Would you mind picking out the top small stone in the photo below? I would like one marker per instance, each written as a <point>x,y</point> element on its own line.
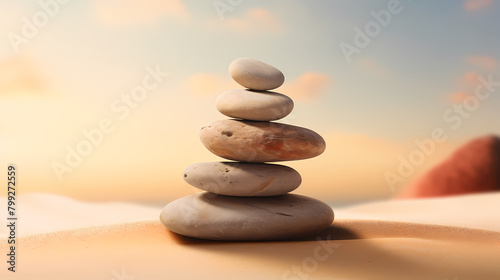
<point>256,75</point>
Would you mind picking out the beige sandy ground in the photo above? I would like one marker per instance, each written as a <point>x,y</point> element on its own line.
<point>448,238</point>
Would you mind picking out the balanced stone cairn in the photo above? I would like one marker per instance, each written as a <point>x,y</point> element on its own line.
<point>247,199</point>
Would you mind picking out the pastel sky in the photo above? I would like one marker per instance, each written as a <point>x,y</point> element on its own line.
<point>66,68</point>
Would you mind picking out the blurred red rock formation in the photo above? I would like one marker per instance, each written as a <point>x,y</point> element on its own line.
<point>473,168</point>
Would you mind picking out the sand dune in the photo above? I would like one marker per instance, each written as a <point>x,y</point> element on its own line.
<point>472,211</point>
<point>438,240</point>
<point>44,213</point>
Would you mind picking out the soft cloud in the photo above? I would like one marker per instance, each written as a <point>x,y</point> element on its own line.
<point>481,65</point>
<point>307,87</point>
<point>466,83</point>
<point>116,12</point>
<point>254,21</point>
<point>371,66</point>
<point>458,97</point>
<point>19,75</point>
<point>470,78</point>
<point>469,81</point>
<point>476,5</point>
<point>483,61</point>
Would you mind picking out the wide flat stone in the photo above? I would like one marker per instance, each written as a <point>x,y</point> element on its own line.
<point>255,74</point>
<point>254,105</point>
<point>242,179</point>
<point>217,217</point>
<point>252,141</point>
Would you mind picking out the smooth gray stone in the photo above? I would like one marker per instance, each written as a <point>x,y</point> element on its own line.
<point>254,105</point>
<point>254,74</point>
<point>242,179</point>
<point>217,217</point>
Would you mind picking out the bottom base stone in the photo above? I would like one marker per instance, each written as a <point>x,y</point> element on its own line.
<point>216,217</point>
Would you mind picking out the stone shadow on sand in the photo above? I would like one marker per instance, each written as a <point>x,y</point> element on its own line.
<point>353,252</point>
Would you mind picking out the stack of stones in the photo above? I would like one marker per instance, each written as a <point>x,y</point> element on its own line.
<point>247,199</point>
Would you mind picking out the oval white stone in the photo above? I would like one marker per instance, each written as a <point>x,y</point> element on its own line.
<point>242,179</point>
<point>254,105</point>
<point>217,217</point>
<point>254,74</point>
